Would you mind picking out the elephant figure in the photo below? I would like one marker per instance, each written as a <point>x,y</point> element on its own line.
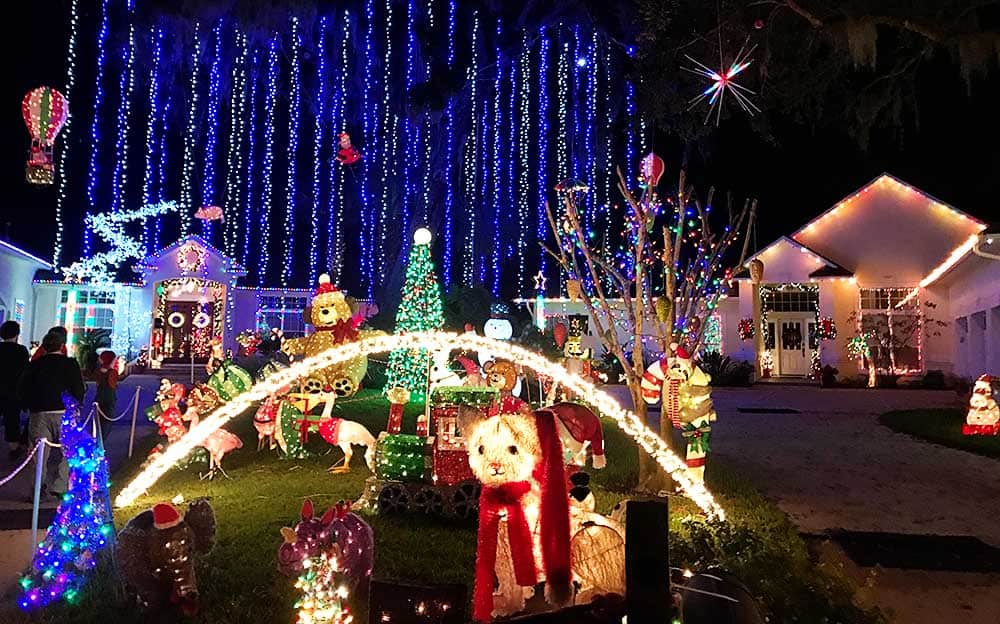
<point>155,554</point>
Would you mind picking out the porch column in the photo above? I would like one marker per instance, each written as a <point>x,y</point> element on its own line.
<point>756,277</point>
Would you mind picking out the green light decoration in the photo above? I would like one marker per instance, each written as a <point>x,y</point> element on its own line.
<point>470,396</point>
<point>400,457</point>
<point>290,420</point>
<point>419,310</point>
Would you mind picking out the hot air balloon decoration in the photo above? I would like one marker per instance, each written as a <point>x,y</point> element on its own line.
<point>45,110</point>
<point>651,169</point>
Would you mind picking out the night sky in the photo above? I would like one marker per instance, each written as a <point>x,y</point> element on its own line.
<point>949,152</point>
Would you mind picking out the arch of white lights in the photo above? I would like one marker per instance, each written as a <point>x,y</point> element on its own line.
<point>604,402</point>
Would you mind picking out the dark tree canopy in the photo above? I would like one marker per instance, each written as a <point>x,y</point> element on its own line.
<point>851,64</point>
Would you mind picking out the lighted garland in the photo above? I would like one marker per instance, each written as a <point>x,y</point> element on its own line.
<point>606,404</point>
<point>82,524</point>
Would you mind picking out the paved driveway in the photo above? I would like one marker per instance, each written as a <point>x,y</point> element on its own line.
<point>834,466</point>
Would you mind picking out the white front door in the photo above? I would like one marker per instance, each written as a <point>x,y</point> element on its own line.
<point>792,343</point>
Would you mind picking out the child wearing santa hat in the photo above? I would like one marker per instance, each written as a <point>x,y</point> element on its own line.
<point>107,389</point>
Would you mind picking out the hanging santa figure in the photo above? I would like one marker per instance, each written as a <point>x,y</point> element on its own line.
<point>983,417</point>
<point>687,402</point>
<point>347,154</point>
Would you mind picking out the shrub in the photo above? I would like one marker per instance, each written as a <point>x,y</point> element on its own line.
<point>726,371</point>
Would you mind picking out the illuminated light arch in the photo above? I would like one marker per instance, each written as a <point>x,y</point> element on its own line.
<point>604,402</point>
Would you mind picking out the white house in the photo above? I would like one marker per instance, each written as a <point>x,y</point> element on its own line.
<point>889,263</point>
<point>185,295</point>
<point>17,269</point>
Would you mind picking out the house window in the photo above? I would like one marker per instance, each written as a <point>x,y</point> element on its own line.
<point>794,300</point>
<point>894,323</point>
<point>284,313</point>
<point>87,316</point>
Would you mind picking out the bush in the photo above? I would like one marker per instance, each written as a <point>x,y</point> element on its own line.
<point>726,371</point>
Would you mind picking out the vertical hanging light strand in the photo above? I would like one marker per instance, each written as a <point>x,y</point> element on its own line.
<point>126,86</point>
<point>161,171</point>
<point>152,145</point>
<point>472,160</point>
<point>630,138</point>
<point>562,75</point>
<point>409,130</point>
<point>95,122</point>
<point>510,184</point>
<point>425,133</point>
<point>449,125</point>
<point>212,130</point>
<point>250,179</point>
<point>523,171</point>
<point>340,117</point>
<point>497,167</point>
<point>590,126</point>
<point>390,147</point>
<point>484,170</point>
<point>74,21</point>
<point>190,132</point>
<point>234,157</point>
<point>265,209</point>
<point>294,110</point>
<point>609,155</point>
<point>366,240</point>
<point>543,142</point>
<point>317,189</point>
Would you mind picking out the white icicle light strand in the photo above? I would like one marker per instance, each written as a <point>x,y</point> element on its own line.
<point>434,341</point>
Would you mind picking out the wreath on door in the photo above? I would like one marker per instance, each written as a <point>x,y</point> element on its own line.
<point>791,337</point>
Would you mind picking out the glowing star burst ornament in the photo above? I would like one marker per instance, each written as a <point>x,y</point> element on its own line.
<point>723,81</point>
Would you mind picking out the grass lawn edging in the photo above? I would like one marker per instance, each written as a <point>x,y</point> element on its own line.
<point>941,426</point>
<point>239,581</point>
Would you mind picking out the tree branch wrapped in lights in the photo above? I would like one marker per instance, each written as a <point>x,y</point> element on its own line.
<point>646,438</point>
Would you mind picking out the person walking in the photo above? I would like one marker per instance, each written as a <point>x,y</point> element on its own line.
<point>40,390</point>
<point>13,360</point>
<point>107,389</point>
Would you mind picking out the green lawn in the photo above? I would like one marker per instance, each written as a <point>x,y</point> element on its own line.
<point>240,583</point>
<point>941,426</point>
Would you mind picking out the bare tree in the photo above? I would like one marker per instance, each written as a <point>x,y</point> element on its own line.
<point>676,253</point>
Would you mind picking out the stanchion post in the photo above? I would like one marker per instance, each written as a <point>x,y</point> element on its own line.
<point>96,427</point>
<point>39,463</point>
<point>135,414</point>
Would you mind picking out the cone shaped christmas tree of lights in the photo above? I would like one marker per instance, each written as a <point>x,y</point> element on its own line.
<point>419,310</point>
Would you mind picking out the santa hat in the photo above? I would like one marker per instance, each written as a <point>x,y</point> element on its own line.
<point>681,353</point>
<point>165,516</point>
<point>324,286</point>
<point>553,513</point>
<point>106,358</point>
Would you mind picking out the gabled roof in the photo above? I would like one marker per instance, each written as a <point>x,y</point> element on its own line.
<point>882,178</point>
<point>148,263</point>
<point>17,251</point>
<point>829,268</point>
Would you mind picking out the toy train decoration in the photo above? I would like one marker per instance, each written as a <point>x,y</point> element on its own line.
<point>428,472</point>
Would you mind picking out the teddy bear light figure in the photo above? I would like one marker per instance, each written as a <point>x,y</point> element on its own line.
<point>335,322</point>
<point>524,523</point>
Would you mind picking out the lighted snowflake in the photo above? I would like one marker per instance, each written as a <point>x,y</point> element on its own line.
<point>722,81</point>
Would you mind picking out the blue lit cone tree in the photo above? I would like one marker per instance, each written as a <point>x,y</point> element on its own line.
<point>420,310</point>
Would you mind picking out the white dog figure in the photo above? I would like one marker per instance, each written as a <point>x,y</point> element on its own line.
<point>524,524</point>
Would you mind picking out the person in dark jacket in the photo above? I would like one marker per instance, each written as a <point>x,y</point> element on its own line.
<point>13,360</point>
<point>40,390</point>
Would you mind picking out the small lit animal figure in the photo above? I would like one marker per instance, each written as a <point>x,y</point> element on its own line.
<point>265,420</point>
<point>203,400</point>
<point>344,434</point>
<point>210,213</point>
<point>338,528</point>
<point>441,373</point>
<point>524,519</point>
